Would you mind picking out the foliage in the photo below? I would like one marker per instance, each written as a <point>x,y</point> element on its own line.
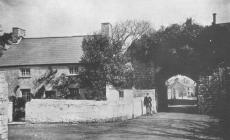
<point>42,81</point>
<point>59,83</point>
<point>212,48</point>
<point>185,48</point>
<point>104,63</point>
<point>176,48</point>
<point>213,93</point>
<point>127,31</point>
<point>62,84</point>
<point>5,40</point>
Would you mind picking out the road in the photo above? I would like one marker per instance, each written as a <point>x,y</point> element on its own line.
<point>161,126</point>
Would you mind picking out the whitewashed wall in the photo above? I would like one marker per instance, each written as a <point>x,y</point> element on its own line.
<point>115,108</point>
<point>10,111</point>
<point>76,111</point>
<point>3,107</point>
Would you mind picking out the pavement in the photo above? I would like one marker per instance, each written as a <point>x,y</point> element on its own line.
<point>160,126</point>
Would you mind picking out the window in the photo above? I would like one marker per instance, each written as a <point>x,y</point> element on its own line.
<point>50,94</point>
<point>25,72</point>
<point>73,70</point>
<point>74,93</point>
<point>121,93</point>
<point>26,94</point>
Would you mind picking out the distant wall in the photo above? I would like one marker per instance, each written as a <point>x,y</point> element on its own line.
<point>115,108</point>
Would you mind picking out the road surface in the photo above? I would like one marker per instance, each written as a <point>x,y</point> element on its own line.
<point>161,126</point>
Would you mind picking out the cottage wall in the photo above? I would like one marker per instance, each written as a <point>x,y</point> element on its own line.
<point>14,78</point>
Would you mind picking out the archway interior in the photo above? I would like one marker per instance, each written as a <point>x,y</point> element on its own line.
<point>181,90</point>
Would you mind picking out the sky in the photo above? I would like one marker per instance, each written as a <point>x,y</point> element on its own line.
<point>41,18</point>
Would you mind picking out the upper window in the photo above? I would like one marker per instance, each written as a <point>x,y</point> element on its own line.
<point>25,72</point>
<point>73,70</point>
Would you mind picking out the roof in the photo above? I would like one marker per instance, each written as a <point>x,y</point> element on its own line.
<point>40,51</point>
<point>226,25</point>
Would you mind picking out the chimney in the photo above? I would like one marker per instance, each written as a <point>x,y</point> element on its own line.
<point>17,34</point>
<point>214,18</point>
<point>106,29</point>
<point>1,31</point>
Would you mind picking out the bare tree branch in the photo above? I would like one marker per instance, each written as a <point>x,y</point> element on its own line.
<point>129,30</point>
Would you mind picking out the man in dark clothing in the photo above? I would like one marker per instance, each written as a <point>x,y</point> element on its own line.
<point>148,104</point>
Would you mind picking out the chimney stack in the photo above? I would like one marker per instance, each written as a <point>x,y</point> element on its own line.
<point>17,34</point>
<point>214,18</point>
<point>106,29</point>
<point>1,31</point>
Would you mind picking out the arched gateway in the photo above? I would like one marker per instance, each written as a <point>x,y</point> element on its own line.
<point>161,88</point>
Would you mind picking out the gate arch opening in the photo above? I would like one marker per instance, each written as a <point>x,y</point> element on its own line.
<point>181,87</point>
<point>162,89</point>
<point>181,94</point>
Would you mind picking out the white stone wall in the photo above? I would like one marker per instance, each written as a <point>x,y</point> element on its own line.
<point>115,108</point>
<point>3,108</point>
<point>49,110</point>
<point>10,111</point>
<point>3,120</point>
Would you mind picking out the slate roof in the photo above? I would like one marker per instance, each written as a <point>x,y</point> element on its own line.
<point>40,51</point>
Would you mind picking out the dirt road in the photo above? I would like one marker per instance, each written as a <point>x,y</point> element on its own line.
<point>161,126</point>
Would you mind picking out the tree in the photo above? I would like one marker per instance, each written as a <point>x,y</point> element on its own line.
<point>5,40</point>
<point>127,31</point>
<point>213,47</point>
<point>171,48</point>
<point>105,59</point>
<point>104,63</point>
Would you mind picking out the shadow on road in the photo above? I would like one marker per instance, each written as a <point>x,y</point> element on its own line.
<point>161,126</point>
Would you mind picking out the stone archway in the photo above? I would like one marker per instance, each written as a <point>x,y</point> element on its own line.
<point>161,88</point>
<point>182,96</point>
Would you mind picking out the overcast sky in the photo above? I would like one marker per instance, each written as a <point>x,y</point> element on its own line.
<point>76,17</point>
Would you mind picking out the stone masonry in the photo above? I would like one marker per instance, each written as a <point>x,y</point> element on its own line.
<point>3,108</point>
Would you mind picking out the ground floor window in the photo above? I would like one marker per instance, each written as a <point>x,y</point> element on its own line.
<point>26,94</point>
<point>50,94</point>
<point>74,93</point>
<point>121,93</point>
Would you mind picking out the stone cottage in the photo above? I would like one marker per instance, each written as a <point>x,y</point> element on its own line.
<point>28,59</point>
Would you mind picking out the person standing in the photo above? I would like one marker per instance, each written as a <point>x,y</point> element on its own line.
<point>148,104</point>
